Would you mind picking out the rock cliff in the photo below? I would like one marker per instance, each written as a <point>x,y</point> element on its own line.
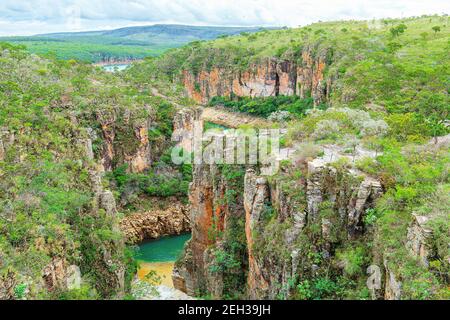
<point>138,227</point>
<point>285,222</point>
<point>216,211</point>
<point>125,139</point>
<point>305,76</point>
<point>329,200</point>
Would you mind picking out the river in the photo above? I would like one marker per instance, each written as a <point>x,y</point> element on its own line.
<point>160,256</point>
<point>115,67</point>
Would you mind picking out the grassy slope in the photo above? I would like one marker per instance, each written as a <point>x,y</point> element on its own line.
<point>372,66</point>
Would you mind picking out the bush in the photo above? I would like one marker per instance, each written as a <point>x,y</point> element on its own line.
<point>265,107</point>
<point>158,185</point>
<point>354,260</point>
<point>406,126</point>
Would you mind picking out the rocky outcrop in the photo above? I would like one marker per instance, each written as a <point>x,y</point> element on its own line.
<point>7,139</point>
<point>2,150</point>
<point>183,127</point>
<point>229,119</point>
<point>368,191</point>
<point>345,194</point>
<point>58,275</point>
<point>393,287</point>
<point>201,196</point>
<point>125,140</point>
<point>108,203</point>
<point>418,239</point>
<point>346,198</point>
<point>270,77</point>
<point>256,195</point>
<point>103,199</point>
<point>352,200</point>
<point>107,263</point>
<point>8,283</point>
<point>156,224</point>
<point>142,290</point>
<point>210,218</point>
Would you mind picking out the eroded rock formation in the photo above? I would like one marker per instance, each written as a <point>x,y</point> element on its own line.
<point>183,127</point>
<point>58,274</point>
<point>418,238</point>
<point>124,141</point>
<point>156,224</point>
<point>190,272</point>
<point>270,77</point>
<point>334,200</point>
<point>256,195</point>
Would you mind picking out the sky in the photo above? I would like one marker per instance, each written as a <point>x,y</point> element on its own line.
<point>27,17</point>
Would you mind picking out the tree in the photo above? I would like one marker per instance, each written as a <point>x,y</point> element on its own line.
<point>436,29</point>
<point>398,30</point>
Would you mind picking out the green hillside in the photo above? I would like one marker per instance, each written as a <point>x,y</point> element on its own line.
<point>400,65</point>
<point>121,44</point>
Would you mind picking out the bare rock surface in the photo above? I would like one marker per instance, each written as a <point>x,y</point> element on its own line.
<point>155,224</point>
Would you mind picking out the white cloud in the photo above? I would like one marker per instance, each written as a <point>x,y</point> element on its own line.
<point>42,16</point>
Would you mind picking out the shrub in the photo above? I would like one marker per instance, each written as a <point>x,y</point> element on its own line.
<point>354,260</point>
<point>403,126</point>
<point>398,30</point>
<point>265,107</point>
<point>280,116</point>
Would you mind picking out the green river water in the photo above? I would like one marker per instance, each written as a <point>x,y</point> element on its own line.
<point>166,249</point>
<point>159,256</point>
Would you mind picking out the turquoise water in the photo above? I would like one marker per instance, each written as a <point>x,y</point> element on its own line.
<point>210,125</point>
<point>115,67</point>
<point>166,249</point>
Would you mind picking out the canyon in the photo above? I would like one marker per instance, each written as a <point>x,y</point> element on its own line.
<point>305,77</point>
<point>326,208</point>
<point>358,209</point>
<point>347,193</point>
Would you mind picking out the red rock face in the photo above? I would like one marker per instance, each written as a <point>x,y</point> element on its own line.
<point>271,77</point>
<point>256,192</point>
<point>207,217</point>
<point>138,158</point>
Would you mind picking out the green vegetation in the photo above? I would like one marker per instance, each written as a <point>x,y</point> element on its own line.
<point>130,186</point>
<point>230,253</point>
<point>93,50</point>
<point>390,97</point>
<point>388,107</point>
<point>414,174</point>
<point>372,70</point>
<point>48,210</point>
<point>120,45</point>
<point>265,107</point>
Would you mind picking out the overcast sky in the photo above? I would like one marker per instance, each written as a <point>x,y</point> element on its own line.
<point>26,17</point>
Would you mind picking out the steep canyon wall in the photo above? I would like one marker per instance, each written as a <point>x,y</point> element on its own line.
<point>304,76</point>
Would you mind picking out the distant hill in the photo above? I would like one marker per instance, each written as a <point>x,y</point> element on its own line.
<point>122,44</point>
